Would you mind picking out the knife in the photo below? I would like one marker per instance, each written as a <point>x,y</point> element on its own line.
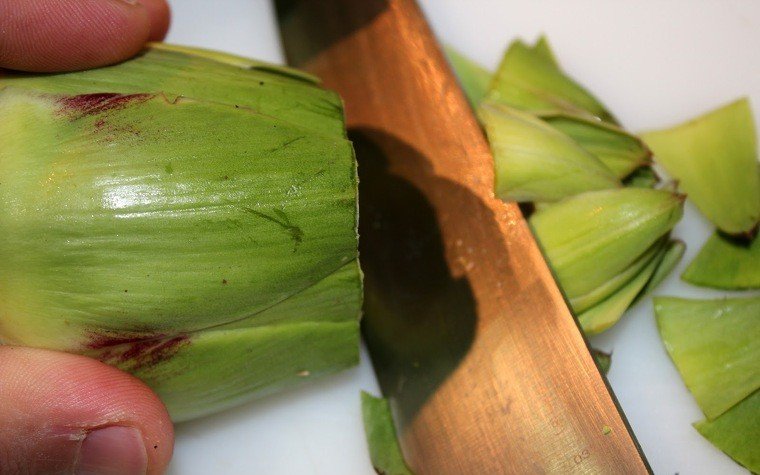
<point>472,341</point>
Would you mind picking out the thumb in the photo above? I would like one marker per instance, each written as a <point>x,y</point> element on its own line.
<point>63,413</point>
<point>64,35</point>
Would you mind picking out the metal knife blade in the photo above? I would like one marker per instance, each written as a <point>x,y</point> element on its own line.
<point>486,370</point>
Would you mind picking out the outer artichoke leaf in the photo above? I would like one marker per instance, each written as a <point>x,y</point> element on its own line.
<point>715,344</point>
<point>189,75</point>
<point>335,298</point>
<point>238,61</point>
<point>308,334</point>
<point>217,369</point>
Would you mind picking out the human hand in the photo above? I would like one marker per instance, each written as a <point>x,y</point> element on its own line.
<point>62,413</point>
<point>66,35</point>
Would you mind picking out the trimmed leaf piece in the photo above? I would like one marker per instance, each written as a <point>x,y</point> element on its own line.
<point>737,432</point>
<point>619,150</point>
<point>608,312</point>
<point>714,158</point>
<point>530,79</point>
<point>726,263</point>
<point>643,177</point>
<point>590,238</point>
<point>473,77</point>
<point>536,162</point>
<point>173,73</point>
<point>715,344</point>
<point>603,360</point>
<point>384,450</point>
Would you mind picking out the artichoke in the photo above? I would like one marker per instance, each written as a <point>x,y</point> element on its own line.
<point>187,216</point>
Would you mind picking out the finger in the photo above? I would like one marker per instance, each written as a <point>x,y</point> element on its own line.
<point>159,15</point>
<point>63,413</point>
<point>63,35</point>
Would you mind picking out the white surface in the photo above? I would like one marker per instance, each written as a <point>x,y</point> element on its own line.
<point>653,63</point>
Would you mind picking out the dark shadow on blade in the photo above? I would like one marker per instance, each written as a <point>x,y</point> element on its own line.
<point>419,320</point>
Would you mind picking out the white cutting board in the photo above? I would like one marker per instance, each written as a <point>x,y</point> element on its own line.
<point>653,63</point>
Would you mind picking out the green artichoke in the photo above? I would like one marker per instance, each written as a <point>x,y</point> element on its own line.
<point>187,216</point>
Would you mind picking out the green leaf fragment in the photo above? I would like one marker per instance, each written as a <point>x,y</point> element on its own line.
<point>715,344</point>
<point>473,78</point>
<point>737,432</point>
<point>606,313</point>
<point>384,449</point>
<point>530,79</point>
<point>714,157</point>
<point>642,177</point>
<point>590,238</point>
<point>619,150</point>
<point>536,162</point>
<point>726,263</point>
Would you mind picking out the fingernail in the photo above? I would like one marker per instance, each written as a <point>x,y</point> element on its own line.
<point>112,451</point>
